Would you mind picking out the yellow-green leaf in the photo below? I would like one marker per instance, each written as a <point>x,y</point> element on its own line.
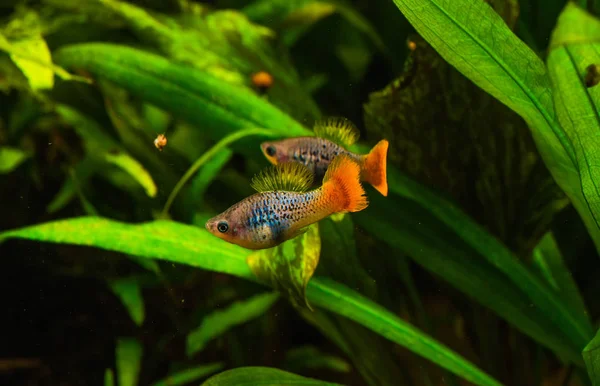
<point>220,322</point>
<point>261,376</point>
<point>289,266</point>
<point>575,45</point>
<point>11,158</point>
<point>128,356</point>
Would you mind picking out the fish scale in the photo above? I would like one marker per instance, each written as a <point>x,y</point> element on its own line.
<point>317,153</point>
<point>271,214</point>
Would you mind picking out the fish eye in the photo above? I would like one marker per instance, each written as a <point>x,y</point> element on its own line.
<point>271,151</point>
<point>223,226</point>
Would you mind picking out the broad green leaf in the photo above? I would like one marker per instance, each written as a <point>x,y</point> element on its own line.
<point>548,258</point>
<point>573,47</point>
<point>186,376</point>
<point>310,357</point>
<point>22,39</point>
<point>193,95</point>
<point>219,322</point>
<point>11,158</point>
<point>591,355</point>
<point>289,266</point>
<point>128,356</point>
<point>284,14</point>
<point>408,227</point>
<point>129,291</point>
<point>104,149</point>
<point>225,44</point>
<point>260,376</point>
<point>109,378</point>
<point>482,47</point>
<point>183,244</point>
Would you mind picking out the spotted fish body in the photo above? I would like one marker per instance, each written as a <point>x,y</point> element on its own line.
<point>265,219</point>
<point>317,153</point>
<point>313,152</point>
<point>269,218</point>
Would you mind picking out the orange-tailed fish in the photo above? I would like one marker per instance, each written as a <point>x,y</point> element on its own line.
<point>332,137</point>
<point>284,206</point>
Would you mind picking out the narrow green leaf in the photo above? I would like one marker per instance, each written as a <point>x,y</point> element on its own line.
<point>190,375</point>
<point>22,39</point>
<point>482,47</point>
<point>195,96</point>
<point>11,158</point>
<point>225,44</point>
<point>209,172</point>
<point>289,266</point>
<point>575,46</point>
<point>103,148</point>
<point>129,291</point>
<point>109,378</point>
<point>260,376</point>
<point>219,322</point>
<point>128,356</point>
<point>189,245</point>
<point>435,247</point>
<point>310,357</point>
<point>550,261</point>
<point>591,355</point>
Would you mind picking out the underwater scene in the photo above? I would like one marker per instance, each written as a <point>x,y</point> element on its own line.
<point>300,192</point>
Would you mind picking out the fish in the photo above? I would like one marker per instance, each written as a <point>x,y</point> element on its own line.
<point>284,206</point>
<point>333,135</point>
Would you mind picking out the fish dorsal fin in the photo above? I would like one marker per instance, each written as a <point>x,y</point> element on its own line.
<point>337,129</point>
<point>287,176</point>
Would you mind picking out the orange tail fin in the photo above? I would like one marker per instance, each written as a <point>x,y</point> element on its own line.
<point>374,167</point>
<point>341,186</point>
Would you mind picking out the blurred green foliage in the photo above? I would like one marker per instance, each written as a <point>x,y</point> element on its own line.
<point>480,267</point>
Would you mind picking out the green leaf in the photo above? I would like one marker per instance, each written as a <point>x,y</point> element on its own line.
<point>190,94</point>
<point>11,158</point>
<point>550,262</point>
<point>482,47</point>
<point>22,39</point>
<point>289,266</point>
<point>178,243</point>
<point>209,172</point>
<point>225,44</point>
<point>128,356</point>
<point>435,246</point>
<point>109,378</point>
<point>591,355</point>
<point>129,291</point>
<point>186,376</point>
<point>219,322</point>
<point>102,148</point>
<point>573,47</point>
<point>261,376</point>
<point>495,175</point>
<point>310,357</point>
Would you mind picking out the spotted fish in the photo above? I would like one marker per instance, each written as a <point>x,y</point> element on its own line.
<point>333,136</point>
<point>284,206</point>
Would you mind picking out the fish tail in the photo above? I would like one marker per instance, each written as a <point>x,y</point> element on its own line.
<point>374,167</point>
<point>341,186</point>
